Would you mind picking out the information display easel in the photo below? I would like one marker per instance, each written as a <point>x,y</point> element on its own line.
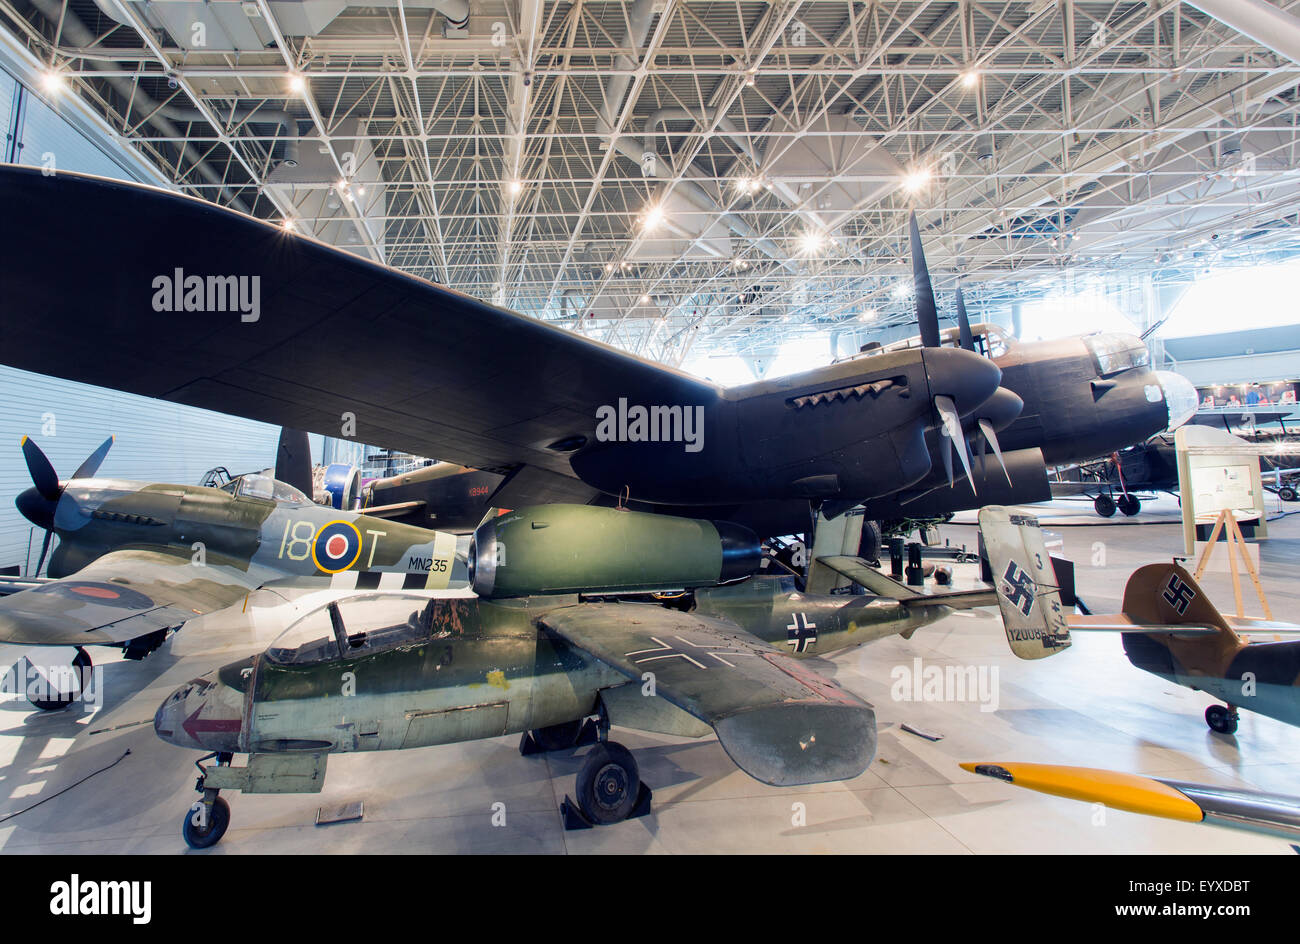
<point>1226,524</point>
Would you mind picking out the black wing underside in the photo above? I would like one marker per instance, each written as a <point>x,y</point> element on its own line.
<point>421,368</point>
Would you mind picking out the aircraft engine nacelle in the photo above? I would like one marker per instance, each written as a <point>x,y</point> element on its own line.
<point>339,486</point>
<point>581,548</point>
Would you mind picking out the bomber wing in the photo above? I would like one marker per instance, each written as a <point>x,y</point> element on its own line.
<point>417,366</point>
<point>780,722</point>
<point>120,596</point>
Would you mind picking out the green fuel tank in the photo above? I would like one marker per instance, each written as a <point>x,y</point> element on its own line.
<point>580,548</point>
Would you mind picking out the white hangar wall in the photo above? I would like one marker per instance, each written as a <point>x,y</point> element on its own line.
<point>156,441</point>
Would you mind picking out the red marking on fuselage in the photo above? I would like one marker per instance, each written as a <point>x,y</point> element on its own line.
<point>194,727</point>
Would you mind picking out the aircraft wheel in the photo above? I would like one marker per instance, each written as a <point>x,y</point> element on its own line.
<point>557,737</point>
<point>1129,505</point>
<point>608,784</point>
<point>1104,505</point>
<point>205,837</point>
<point>81,668</point>
<point>1286,493</point>
<point>1221,719</point>
<point>869,545</point>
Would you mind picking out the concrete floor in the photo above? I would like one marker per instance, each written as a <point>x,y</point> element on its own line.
<point>1086,707</point>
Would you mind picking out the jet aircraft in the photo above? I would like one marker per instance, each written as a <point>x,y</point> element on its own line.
<point>571,618</point>
<point>136,559</point>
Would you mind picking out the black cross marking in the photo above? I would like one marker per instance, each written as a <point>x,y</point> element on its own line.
<point>801,634</point>
<point>1018,588</point>
<point>1178,594</point>
<point>669,651</point>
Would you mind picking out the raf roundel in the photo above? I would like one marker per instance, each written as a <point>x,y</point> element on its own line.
<point>336,546</point>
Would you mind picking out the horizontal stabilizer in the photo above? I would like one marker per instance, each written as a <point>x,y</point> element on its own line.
<point>1122,624</point>
<point>882,585</point>
<point>866,576</point>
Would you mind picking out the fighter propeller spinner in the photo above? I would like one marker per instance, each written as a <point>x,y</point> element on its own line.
<point>40,503</point>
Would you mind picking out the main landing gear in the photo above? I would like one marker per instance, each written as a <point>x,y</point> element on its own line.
<point>1129,505</point>
<point>609,786</point>
<point>207,820</point>
<point>1222,718</point>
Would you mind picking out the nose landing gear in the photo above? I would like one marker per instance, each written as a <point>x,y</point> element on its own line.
<point>207,820</point>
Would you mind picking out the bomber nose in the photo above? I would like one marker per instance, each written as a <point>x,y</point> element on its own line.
<point>963,375</point>
<point>1181,401</point>
<point>36,508</point>
<point>202,713</point>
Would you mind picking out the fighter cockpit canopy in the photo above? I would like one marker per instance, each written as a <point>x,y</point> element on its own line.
<point>256,485</point>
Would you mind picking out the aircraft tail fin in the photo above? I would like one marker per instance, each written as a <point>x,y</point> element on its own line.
<point>1166,594</point>
<point>1028,595</point>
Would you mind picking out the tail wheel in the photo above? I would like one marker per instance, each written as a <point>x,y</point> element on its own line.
<point>608,784</point>
<point>1221,719</point>
<point>82,666</point>
<point>209,829</point>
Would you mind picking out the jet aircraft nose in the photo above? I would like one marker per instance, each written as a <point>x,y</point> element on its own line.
<point>1181,400</point>
<point>968,378</point>
<point>203,713</point>
<point>36,508</point>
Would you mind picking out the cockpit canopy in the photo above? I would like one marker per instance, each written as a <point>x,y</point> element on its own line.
<point>257,485</point>
<point>367,623</point>
<point>1115,352</point>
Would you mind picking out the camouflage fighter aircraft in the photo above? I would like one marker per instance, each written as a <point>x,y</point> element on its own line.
<point>137,559</point>
<point>644,621</point>
<point>1172,630</point>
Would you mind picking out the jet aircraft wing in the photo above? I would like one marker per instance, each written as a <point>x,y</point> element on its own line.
<point>120,596</point>
<point>333,339</point>
<point>781,723</point>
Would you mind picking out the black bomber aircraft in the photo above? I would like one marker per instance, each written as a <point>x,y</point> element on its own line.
<point>196,304</point>
<point>201,305</point>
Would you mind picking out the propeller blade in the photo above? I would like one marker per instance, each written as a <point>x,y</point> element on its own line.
<point>45,548</point>
<point>963,324</point>
<point>991,438</point>
<point>293,459</point>
<point>93,461</point>
<point>927,316</point>
<point>953,433</point>
<point>42,472</point>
